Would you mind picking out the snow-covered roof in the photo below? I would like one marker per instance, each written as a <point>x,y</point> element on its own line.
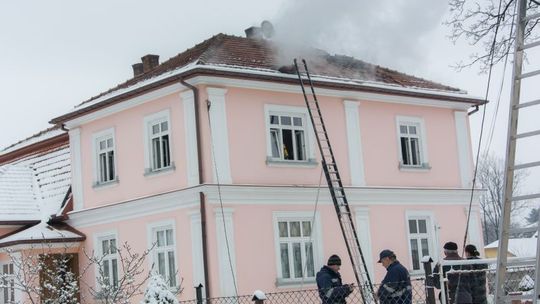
<point>43,232</point>
<point>522,247</point>
<point>41,136</point>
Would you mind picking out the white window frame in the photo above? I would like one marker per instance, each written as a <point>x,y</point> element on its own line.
<point>96,138</point>
<point>98,238</point>
<point>309,135</point>
<point>152,230</point>
<point>316,240</point>
<point>11,299</point>
<point>419,123</point>
<point>149,121</point>
<point>430,234</point>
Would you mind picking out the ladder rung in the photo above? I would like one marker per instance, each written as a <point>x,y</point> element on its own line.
<point>527,104</point>
<point>528,134</point>
<point>525,197</point>
<point>531,45</point>
<point>531,17</point>
<point>530,74</point>
<point>527,165</point>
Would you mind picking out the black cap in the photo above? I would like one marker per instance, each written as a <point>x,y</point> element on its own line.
<point>334,260</point>
<point>386,254</point>
<point>450,246</point>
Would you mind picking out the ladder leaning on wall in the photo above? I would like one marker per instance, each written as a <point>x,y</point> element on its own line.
<point>337,191</point>
<point>510,167</point>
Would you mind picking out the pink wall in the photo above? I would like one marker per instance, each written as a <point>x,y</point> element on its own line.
<point>130,165</point>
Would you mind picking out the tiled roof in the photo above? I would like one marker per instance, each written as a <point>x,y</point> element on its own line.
<point>260,54</point>
<point>43,232</point>
<point>40,136</point>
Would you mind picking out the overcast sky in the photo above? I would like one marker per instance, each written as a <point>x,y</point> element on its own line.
<point>56,54</point>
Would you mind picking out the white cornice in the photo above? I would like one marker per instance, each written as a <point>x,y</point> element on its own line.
<point>288,88</point>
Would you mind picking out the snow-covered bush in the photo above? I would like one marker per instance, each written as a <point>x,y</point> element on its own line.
<point>157,292</point>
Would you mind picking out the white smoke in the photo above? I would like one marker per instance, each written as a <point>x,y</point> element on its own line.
<point>390,33</point>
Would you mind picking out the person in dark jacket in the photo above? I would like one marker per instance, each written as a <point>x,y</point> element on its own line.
<point>396,286</point>
<point>331,289</point>
<point>458,288</point>
<point>478,277</point>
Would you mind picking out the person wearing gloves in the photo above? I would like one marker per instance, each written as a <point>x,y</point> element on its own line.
<point>331,289</point>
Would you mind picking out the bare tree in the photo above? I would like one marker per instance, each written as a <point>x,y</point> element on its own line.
<point>488,24</point>
<point>490,177</point>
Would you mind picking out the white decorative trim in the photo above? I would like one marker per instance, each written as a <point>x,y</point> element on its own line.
<point>124,105</point>
<point>474,235</point>
<point>220,134</point>
<point>226,246</point>
<point>76,168</point>
<point>355,95</point>
<point>197,249</point>
<point>464,148</point>
<point>424,157</point>
<point>150,229</point>
<point>134,209</point>
<point>310,134</point>
<point>431,227</point>
<point>95,137</point>
<point>164,115</point>
<point>354,140</point>
<point>363,231</point>
<point>190,130</point>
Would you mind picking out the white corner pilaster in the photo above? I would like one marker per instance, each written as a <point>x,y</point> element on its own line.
<point>190,129</point>
<point>474,235</point>
<point>464,148</point>
<point>76,168</point>
<point>354,142</point>
<point>220,134</point>
<point>363,232</point>
<point>226,251</point>
<point>197,249</point>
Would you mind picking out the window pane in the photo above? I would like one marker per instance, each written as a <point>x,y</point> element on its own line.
<point>274,120</point>
<point>297,259</point>
<point>114,272</point>
<point>164,126</point>
<point>105,247</point>
<point>102,145</point>
<point>274,138</point>
<point>412,226</point>
<point>112,245</point>
<point>422,226</point>
<point>306,228</point>
<point>169,236</point>
<point>102,167</point>
<point>156,149</point>
<point>160,238</point>
<point>403,129</point>
<point>285,120</point>
<point>415,151</point>
<point>109,143</point>
<point>405,151</point>
<point>425,247</point>
<point>414,254</point>
<point>155,129</point>
<point>412,130</point>
<point>106,271</point>
<point>172,269</point>
<point>295,229</point>
<point>310,267</point>
<point>284,252</point>
<point>300,145</point>
<point>166,152</point>
<point>287,144</point>
<point>283,229</point>
<point>297,121</point>
<point>111,165</point>
<point>161,264</point>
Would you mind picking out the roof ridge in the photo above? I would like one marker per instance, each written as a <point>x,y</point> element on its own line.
<point>35,135</point>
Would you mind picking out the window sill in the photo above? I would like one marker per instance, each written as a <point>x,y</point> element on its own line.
<point>287,283</point>
<point>150,172</point>
<point>104,185</point>
<point>408,168</point>
<point>272,162</point>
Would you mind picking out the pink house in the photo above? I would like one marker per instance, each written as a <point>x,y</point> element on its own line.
<point>210,157</point>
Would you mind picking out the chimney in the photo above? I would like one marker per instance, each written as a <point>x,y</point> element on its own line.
<point>137,69</point>
<point>149,62</point>
<point>254,32</point>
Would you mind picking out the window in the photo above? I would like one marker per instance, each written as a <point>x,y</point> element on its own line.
<point>109,254</point>
<point>158,142</point>
<point>105,157</point>
<point>296,249</point>
<point>164,253</point>
<point>288,136</point>
<point>419,239</point>
<point>8,291</point>
<point>412,150</point>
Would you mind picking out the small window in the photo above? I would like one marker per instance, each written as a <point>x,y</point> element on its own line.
<point>419,240</point>
<point>109,254</point>
<point>164,253</point>
<point>296,252</point>
<point>8,284</point>
<point>158,137</point>
<point>288,137</point>
<point>105,159</point>
<point>410,141</point>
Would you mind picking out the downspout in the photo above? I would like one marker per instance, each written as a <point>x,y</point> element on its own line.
<point>202,198</point>
<point>476,109</point>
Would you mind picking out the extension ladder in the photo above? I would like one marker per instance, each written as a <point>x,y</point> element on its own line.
<point>337,191</point>
<point>511,166</point>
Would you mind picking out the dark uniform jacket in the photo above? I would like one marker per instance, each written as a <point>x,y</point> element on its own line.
<point>458,289</point>
<point>478,282</point>
<point>396,286</point>
<point>331,289</point>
